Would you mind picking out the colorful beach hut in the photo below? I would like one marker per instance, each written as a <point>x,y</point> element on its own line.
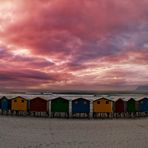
<point>131,105</point>
<point>143,105</point>
<point>38,105</point>
<point>59,105</point>
<point>119,106</point>
<point>80,105</point>
<point>4,104</point>
<point>19,104</point>
<point>102,107</point>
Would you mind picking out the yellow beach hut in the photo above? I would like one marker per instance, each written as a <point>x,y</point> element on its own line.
<point>19,104</point>
<point>102,105</point>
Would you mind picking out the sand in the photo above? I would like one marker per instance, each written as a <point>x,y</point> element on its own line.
<point>28,132</point>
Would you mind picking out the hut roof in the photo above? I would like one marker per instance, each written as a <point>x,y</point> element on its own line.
<point>115,100</point>
<point>4,97</point>
<point>72,97</point>
<point>19,97</point>
<point>59,98</point>
<point>111,97</point>
<point>39,98</point>
<point>141,98</point>
<point>81,98</point>
<point>104,99</point>
<point>29,97</point>
<point>130,98</point>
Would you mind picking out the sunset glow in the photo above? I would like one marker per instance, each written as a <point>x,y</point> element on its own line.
<point>21,52</point>
<point>73,44</point>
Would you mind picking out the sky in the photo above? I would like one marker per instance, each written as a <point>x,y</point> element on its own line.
<point>73,44</point>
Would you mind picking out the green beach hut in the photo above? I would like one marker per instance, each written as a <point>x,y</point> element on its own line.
<point>131,105</point>
<point>59,106</point>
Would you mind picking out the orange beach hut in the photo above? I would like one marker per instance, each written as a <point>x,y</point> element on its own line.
<point>19,104</point>
<point>102,105</point>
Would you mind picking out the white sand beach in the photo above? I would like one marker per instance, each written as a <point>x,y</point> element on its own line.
<point>27,132</point>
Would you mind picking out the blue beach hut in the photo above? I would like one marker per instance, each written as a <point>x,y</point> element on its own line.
<point>4,104</point>
<point>80,105</point>
<point>143,105</point>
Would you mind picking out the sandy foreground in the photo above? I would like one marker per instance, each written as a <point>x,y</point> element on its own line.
<point>27,132</point>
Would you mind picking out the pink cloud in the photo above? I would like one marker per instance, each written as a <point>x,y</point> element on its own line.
<point>66,38</point>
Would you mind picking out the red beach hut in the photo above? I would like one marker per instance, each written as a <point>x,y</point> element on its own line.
<point>38,105</point>
<point>119,106</point>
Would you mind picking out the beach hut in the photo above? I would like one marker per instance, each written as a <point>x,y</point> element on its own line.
<point>19,104</point>
<point>4,104</point>
<point>131,105</point>
<point>81,105</point>
<point>102,105</point>
<point>59,105</point>
<point>143,105</point>
<point>119,106</point>
<point>38,105</point>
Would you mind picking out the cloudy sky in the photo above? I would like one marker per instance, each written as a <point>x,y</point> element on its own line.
<point>73,44</point>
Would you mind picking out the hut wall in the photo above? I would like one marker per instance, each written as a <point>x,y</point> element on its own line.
<point>38,105</point>
<point>102,105</point>
<point>4,104</point>
<point>19,104</point>
<point>80,106</point>
<point>143,105</point>
<point>119,106</point>
<point>59,105</point>
<point>131,105</point>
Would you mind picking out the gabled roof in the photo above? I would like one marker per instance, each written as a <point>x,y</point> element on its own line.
<point>19,97</point>
<point>81,99</point>
<point>28,96</point>
<point>4,97</point>
<point>128,99</point>
<point>122,99</point>
<point>59,98</point>
<point>38,98</point>
<point>142,98</point>
<point>71,97</point>
<point>102,99</point>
